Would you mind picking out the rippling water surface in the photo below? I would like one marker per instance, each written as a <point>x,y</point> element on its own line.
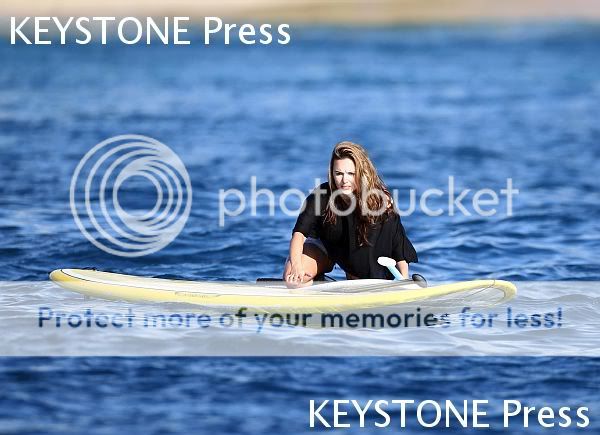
<point>481,104</point>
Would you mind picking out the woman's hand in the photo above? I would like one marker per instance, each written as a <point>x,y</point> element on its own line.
<point>294,269</point>
<point>402,266</point>
<point>295,274</point>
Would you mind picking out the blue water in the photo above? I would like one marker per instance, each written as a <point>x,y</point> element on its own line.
<point>479,103</point>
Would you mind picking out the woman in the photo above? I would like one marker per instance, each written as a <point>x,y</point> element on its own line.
<point>351,221</point>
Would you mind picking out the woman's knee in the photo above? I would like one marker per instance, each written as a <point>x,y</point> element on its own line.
<point>318,260</point>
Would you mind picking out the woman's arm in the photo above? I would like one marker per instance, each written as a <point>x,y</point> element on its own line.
<point>296,271</point>
<point>402,248</point>
<point>296,247</point>
<point>306,225</point>
<point>402,266</point>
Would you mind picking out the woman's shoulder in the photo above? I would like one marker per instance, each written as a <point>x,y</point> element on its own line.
<point>317,200</point>
<point>323,190</point>
<point>324,187</point>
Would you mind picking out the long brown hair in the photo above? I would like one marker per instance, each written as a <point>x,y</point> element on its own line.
<point>371,209</point>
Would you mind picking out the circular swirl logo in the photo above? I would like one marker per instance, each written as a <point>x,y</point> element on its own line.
<point>111,166</point>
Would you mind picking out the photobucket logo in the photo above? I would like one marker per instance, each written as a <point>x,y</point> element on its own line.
<point>94,195</point>
<point>431,202</point>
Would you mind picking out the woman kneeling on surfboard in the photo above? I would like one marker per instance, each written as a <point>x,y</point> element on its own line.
<point>351,221</point>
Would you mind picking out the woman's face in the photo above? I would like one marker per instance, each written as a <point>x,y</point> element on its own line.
<point>344,173</point>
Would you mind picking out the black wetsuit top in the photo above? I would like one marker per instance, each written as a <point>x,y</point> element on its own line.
<point>341,239</point>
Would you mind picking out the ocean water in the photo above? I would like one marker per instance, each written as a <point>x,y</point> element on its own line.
<point>481,104</point>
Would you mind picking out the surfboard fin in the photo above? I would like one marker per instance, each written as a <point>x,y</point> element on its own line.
<point>419,280</point>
